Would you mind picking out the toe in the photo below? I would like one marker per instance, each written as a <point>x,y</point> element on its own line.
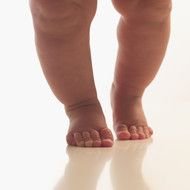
<point>133,131</point>
<point>106,137</point>
<point>146,132</point>
<point>122,132</point>
<point>70,139</point>
<point>79,139</point>
<point>140,131</point>
<point>150,130</point>
<point>87,139</point>
<point>95,137</point>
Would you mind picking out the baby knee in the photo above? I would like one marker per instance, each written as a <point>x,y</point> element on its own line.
<point>61,15</point>
<point>144,9</point>
<point>156,11</point>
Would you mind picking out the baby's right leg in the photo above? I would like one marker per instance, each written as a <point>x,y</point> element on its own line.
<point>62,42</point>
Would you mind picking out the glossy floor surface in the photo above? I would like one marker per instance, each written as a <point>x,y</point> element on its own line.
<point>159,163</point>
<point>33,126</point>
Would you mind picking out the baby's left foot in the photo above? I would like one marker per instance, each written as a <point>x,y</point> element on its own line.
<point>129,121</point>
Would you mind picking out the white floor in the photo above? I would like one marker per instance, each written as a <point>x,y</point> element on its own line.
<point>33,151</point>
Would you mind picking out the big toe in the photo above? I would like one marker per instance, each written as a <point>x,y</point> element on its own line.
<point>122,132</point>
<point>106,137</point>
<point>79,139</point>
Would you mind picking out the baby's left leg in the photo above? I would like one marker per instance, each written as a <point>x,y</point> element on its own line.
<point>143,33</point>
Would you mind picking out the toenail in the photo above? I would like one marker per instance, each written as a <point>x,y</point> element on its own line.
<point>86,136</point>
<point>133,129</point>
<point>140,129</point>
<point>89,143</point>
<point>150,130</point>
<point>142,136</point>
<point>146,132</point>
<point>123,135</point>
<point>97,143</point>
<point>79,139</point>
<point>95,136</point>
<point>141,132</point>
<point>107,143</point>
<point>106,133</point>
<point>87,139</point>
<point>134,136</point>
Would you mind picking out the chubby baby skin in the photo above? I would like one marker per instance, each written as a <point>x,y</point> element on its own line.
<point>62,33</point>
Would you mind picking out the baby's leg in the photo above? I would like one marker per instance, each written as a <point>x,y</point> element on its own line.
<point>62,42</point>
<point>143,33</point>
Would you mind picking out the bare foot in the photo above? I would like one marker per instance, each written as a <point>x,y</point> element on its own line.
<point>88,126</point>
<point>128,116</point>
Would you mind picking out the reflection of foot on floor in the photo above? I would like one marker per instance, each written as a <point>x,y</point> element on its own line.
<point>84,168</point>
<point>126,165</point>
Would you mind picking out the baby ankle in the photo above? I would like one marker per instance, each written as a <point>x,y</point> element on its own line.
<point>83,107</point>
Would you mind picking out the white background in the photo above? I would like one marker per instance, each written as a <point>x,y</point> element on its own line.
<point>32,121</point>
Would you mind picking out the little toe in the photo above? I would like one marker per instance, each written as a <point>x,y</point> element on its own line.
<point>96,138</point>
<point>70,139</point>
<point>107,137</point>
<point>133,131</point>
<point>87,139</point>
<point>150,130</point>
<point>141,132</point>
<point>122,132</point>
<point>146,132</point>
<point>79,139</point>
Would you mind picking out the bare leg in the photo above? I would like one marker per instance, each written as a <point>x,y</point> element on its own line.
<point>143,33</point>
<point>62,42</point>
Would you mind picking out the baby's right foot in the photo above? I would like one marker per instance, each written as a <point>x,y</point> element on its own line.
<point>87,125</point>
